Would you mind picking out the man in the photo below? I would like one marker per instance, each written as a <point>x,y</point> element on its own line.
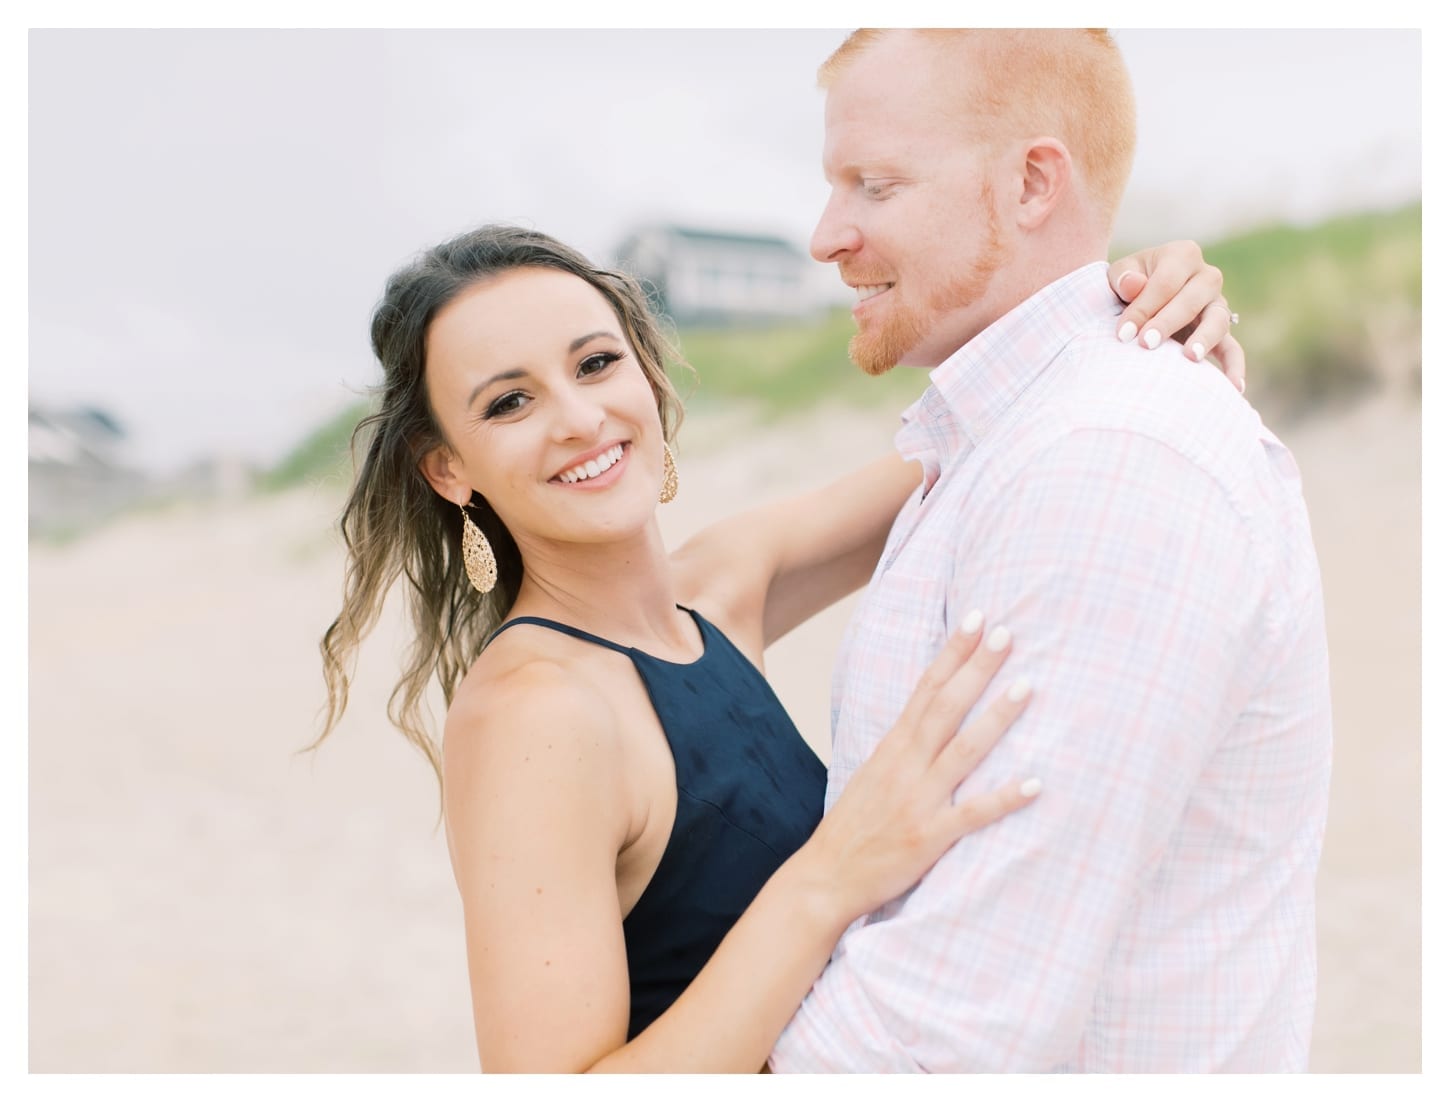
<point>1144,539</point>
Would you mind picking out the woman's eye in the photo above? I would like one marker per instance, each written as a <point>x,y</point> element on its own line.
<point>511,402</point>
<point>593,365</point>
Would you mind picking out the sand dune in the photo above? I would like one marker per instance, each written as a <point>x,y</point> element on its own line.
<point>203,899</point>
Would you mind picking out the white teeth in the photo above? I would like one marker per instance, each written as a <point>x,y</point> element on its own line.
<point>863,293</point>
<point>594,467</point>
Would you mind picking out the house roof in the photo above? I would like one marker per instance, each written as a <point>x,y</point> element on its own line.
<point>87,421</point>
<point>723,237</point>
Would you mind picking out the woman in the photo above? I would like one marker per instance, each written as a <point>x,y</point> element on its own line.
<point>634,824</point>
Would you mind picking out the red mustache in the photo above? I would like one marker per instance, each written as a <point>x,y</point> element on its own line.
<point>861,279</point>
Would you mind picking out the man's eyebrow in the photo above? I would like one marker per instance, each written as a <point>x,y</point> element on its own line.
<point>519,373</point>
<point>861,168</point>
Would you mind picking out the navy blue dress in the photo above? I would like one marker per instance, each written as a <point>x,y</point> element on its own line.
<point>750,792</point>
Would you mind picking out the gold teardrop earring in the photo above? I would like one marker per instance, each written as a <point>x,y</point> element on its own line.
<point>672,479</point>
<point>478,560</point>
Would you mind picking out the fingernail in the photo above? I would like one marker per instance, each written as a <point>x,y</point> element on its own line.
<point>1198,350</point>
<point>1152,338</point>
<point>973,622</point>
<point>1128,331</point>
<point>1118,286</point>
<point>999,639</point>
<point>1031,787</point>
<point>1240,384</point>
<point>1019,690</point>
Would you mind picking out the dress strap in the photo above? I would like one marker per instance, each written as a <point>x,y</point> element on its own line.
<point>556,626</point>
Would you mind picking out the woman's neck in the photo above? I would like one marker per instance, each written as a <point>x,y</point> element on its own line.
<point>623,591</point>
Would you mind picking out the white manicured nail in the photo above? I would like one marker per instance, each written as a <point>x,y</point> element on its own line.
<point>1240,384</point>
<point>1019,690</point>
<point>973,621</point>
<point>1127,332</point>
<point>1198,350</point>
<point>1152,338</point>
<point>1031,787</point>
<point>999,639</point>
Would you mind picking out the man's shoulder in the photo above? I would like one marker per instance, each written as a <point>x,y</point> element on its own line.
<point>1103,389</point>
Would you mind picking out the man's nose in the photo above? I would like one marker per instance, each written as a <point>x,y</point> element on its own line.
<point>835,235</point>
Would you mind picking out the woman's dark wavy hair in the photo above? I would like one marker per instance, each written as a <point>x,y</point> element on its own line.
<point>395,523</point>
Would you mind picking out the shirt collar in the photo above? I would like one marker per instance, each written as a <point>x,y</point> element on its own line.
<point>979,382</point>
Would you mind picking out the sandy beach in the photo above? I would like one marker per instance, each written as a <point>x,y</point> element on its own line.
<point>202,898</point>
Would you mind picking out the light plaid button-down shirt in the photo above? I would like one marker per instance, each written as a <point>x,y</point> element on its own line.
<point>1129,517</point>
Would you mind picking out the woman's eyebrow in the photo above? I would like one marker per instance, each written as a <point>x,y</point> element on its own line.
<point>579,342</point>
<point>514,373</point>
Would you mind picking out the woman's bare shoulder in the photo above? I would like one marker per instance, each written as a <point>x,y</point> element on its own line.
<point>526,719</point>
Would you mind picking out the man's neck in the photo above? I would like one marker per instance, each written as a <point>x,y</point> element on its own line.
<point>1053,252</point>
<point>1042,260</point>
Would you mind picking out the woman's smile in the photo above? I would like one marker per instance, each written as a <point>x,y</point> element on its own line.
<point>596,470</point>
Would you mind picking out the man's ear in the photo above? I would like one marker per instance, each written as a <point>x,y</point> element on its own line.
<point>443,472</point>
<point>1046,177</point>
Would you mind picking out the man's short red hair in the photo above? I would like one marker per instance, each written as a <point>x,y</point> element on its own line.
<point>1067,84</point>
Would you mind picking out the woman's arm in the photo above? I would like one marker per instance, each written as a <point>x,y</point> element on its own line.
<point>779,564</point>
<point>537,812</point>
<point>533,798</point>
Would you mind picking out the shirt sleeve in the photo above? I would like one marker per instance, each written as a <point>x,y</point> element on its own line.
<point>1135,593</point>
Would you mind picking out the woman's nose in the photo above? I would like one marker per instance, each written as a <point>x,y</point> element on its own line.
<point>578,416</point>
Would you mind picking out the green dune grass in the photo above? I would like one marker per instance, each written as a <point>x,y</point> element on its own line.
<point>321,457</point>
<point>1330,309</point>
<point>1327,310</point>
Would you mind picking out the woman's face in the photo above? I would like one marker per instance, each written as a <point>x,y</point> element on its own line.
<point>545,409</point>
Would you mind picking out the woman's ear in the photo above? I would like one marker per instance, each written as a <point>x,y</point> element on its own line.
<point>1046,177</point>
<point>441,468</point>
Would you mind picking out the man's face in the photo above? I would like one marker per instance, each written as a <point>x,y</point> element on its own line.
<point>911,220</point>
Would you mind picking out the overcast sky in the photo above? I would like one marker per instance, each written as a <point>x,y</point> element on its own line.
<point>212,214</point>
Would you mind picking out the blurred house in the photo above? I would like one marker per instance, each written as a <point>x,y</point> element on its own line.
<point>221,476</point>
<point>74,437</point>
<point>78,473</point>
<point>705,277</point>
